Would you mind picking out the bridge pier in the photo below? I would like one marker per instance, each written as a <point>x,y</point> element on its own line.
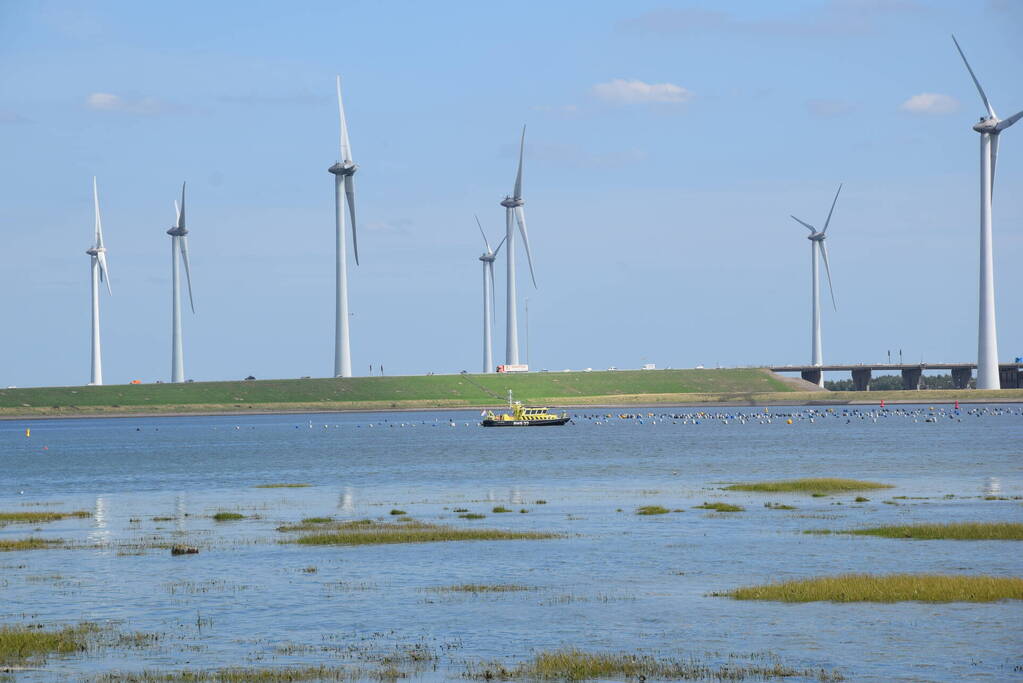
<point>861,379</point>
<point>813,375</point>
<point>961,377</point>
<point>911,378</point>
<point>1010,377</point>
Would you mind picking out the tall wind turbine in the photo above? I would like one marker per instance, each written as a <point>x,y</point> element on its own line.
<point>819,250</point>
<point>343,171</point>
<point>98,254</point>
<point>989,128</point>
<point>179,245</point>
<point>488,258</point>
<point>513,213</point>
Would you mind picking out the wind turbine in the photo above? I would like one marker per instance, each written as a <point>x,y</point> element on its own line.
<point>98,254</point>
<point>513,213</point>
<point>488,298</point>
<point>179,245</point>
<point>818,250</point>
<point>989,128</point>
<point>343,171</point>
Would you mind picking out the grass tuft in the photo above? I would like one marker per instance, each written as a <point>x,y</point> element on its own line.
<point>779,506</point>
<point>30,543</point>
<point>39,517</point>
<point>253,675</point>
<point>652,510</point>
<point>499,509</point>
<point>281,486</point>
<point>471,515</point>
<point>317,520</point>
<point>223,516</point>
<point>20,643</point>
<point>375,533</point>
<point>396,512</point>
<point>887,588</point>
<point>956,531</point>
<point>720,507</point>
<point>823,485</point>
<point>481,588</point>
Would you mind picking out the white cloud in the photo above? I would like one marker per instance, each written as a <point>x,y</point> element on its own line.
<point>638,92</point>
<point>101,101</point>
<point>930,103</point>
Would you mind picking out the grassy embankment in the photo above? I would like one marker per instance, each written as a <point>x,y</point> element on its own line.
<point>737,386</point>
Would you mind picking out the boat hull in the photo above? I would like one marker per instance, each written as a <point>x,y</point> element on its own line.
<point>526,423</point>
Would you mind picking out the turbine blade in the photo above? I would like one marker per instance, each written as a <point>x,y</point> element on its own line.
<point>177,212</point>
<point>493,296</point>
<point>103,274</point>
<point>994,159</point>
<point>99,223</point>
<point>188,274</point>
<point>832,208</point>
<point>1005,123</point>
<point>521,218</point>
<point>803,223</point>
<point>181,211</point>
<point>990,109</point>
<point>827,269</point>
<point>500,244</point>
<point>346,148</point>
<point>485,240</point>
<point>350,193</point>
<point>518,176</point>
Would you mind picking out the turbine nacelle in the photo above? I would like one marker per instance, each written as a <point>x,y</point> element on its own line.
<point>816,237</point>
<point>343,168</point>
<point>488,258</point>
<point>987,125</point>
<point>511,202</point>
<point>95,251</point>
<point>176,231</point>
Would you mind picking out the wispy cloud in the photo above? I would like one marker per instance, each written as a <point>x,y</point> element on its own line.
<point>829,108</point>
<point>11,117</point>
<point>620,91</point>
<point>147,106</point>
<point>930,103</point>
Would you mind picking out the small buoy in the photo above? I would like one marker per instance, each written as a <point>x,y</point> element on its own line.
<point>788,421</point>
<point>28,432</point>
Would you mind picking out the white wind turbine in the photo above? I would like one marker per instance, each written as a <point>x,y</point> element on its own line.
<point>179,245</point>
<point>488,299</point>
<point>987,336</point>
<point>817,250</point>
<point>343,171</point>
<point>513,213</point>
<point>98,254</point>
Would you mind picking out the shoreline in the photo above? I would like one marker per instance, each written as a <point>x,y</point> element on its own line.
<point>600,403</point>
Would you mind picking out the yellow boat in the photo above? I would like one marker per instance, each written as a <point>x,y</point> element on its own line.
<point>522,416</point>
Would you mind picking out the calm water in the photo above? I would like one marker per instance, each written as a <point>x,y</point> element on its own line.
<point>616,581</point>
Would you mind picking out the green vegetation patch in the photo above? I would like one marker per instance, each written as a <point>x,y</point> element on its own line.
<point>369,532</point>
<point>250,675</point>
<point>39,517</point>
<point>30,543</point>
<point>471,515</point>
<point>887,588</point>
<point>482,588</point>
<point>499,509</point>
<point>223,516</point>
<point>21,643</point>
<point>720,507</point>
<point>821,485</point>
<point>956,531</point>
<point>396,512</point>
<point>578,665</point>
<point>652,510</point>
<point>281,486</point>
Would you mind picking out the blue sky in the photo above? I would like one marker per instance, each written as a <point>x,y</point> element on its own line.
<point>667,145</point>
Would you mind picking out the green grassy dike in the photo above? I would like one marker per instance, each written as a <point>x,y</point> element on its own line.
<point>739,386</point>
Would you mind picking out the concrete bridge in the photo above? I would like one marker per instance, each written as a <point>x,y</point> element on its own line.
<point>1009,374</point>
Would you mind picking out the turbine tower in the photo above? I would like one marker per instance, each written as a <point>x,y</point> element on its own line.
<point>819,250</point>
<point>488,259</point>
<point>179,245</point>
<point>343,171</point>
<point>513,213</point>
<point>98,254</point>
<point>989,128</point>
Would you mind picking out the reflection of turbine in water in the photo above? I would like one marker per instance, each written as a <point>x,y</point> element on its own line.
<point>100,534</point>
<point>491,496</point>
<point>992,486</point>
<point>515,497</point>
<point>346,503</point>
<point>180,511</point>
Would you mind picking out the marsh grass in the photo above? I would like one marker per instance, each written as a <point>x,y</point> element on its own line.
<point>317,520</point>
<point>471,515</point>
<point>956,531</point>
<point>861,499</point>
<point>481,588</point>
<point>652,510</point>
<point>822,485</point>
<point>253,675</point>
<point>39,517</point>
<point>578,665</point>
<point>30,543</point>
<point>396,511</point>
<point>224,516</point>
<point>720,507</point>
<point>369,532</point>
<point>21,643</point>
<point>281,486</point>
<point>779,506</point>
<point>499,509</point>
<point>887,588</point>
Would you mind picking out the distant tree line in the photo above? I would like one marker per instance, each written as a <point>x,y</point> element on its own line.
<point>893,383</point>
